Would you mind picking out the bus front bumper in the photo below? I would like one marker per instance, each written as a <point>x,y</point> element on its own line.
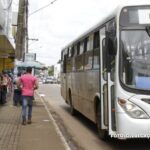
<point>128,127</point>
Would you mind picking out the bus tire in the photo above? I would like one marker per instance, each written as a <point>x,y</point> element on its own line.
<point>72,109</point>
<point>103,134</point>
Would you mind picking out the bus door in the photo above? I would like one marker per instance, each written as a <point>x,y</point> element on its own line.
<point>103,81</point>
<point>107,85</point>
<point>110,49</point>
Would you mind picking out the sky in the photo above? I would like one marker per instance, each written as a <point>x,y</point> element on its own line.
<point>61,22</point>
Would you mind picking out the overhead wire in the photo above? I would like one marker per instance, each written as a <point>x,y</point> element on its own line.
<point>9,5</point>
<point>42,8</point>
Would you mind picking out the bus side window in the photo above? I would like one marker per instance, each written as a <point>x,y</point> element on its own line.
<point>72,51</point>
<point>96,48</point>
<point>104,59</point>
<point>64,63</point>
<point>88,55</point>
<point>69,61</point>
<point>78,48</point>
<point>79,57</point>
<point>73,54</point>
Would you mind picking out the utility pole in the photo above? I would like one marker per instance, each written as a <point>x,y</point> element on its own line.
<point>27,14</point>
<point>22,29</point>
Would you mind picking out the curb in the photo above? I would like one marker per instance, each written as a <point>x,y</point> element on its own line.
<point>58,131</point>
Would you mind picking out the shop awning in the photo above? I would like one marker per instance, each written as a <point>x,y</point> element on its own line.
<point>6,48</point>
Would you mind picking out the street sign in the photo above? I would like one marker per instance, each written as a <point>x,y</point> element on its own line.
<point>30,57</point>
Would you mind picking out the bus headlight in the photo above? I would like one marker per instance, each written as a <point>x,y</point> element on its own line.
<point>132,110</point>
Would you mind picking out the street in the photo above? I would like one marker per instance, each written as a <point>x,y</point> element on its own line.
<point>80,133</point>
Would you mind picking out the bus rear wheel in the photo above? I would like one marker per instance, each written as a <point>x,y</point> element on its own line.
<point>103,134</point>
<point>72,109</point>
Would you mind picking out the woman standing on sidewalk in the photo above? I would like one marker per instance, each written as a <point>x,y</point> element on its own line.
<point>28,83</point>
<point>4,84</point>
<point>17,92</point>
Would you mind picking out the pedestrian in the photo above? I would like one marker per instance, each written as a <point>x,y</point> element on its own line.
<point>4,87</point>
<point>17,91</point>
<point>28,83</point>
<point>1,102</point>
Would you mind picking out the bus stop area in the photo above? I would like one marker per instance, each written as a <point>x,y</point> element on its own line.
<point>40,135</point>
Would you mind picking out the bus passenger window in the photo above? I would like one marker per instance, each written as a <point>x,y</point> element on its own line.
<point>96,40</point>
<point>79,62</point>
<point>88,58</point>
<point>81,47</point>
<point>104,53</point>
<point>78,59</point>
<point>69,52</point>
<point>64,64</point>
<point>85,44</point>
<point>69,61</point>
<point>96,60</point>
<point>72,52</point>
<point>78,48</point>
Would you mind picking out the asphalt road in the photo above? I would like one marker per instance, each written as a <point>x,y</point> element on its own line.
<point>78,130</point>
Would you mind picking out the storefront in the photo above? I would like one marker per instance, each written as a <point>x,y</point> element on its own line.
<point>7,54</point>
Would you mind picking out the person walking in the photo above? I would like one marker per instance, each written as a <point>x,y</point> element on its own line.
<point>4,85</point>
<point>1,101</point>
<point>17,91</point>
<point>28,83</point>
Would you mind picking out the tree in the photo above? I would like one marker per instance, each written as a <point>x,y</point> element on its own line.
<point>51,70</point>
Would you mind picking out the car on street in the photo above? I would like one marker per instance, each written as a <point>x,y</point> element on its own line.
<point>47,80</point>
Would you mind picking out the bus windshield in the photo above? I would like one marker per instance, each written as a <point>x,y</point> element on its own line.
<point>135,59</point>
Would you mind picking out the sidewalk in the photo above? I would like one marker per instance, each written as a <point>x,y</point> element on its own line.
<point>40,135</point>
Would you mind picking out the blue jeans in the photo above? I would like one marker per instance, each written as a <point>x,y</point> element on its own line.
<point>27,107</point>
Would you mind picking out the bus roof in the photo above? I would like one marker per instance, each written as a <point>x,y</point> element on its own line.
<point>112,15</point>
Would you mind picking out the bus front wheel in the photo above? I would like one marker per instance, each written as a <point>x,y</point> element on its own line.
<point>103,134</point>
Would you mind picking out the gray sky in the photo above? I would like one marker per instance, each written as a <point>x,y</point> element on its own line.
<point>58,24</point>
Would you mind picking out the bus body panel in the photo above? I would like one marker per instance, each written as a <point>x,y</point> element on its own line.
<point>132,128</point>
<point>83,90</point>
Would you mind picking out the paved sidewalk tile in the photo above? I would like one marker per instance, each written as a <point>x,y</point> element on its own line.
<point>40,135</point>
<point>9,126</point>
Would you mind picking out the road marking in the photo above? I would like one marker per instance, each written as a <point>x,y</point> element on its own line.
<point>58,131</point>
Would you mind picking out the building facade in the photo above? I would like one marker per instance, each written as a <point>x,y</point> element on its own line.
<point>7,51</point>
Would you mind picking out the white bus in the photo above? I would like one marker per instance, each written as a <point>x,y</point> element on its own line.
<point>105,73</point>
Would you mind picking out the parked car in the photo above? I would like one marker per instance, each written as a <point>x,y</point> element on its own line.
<point>54,80</point>
<point>47,80</point>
